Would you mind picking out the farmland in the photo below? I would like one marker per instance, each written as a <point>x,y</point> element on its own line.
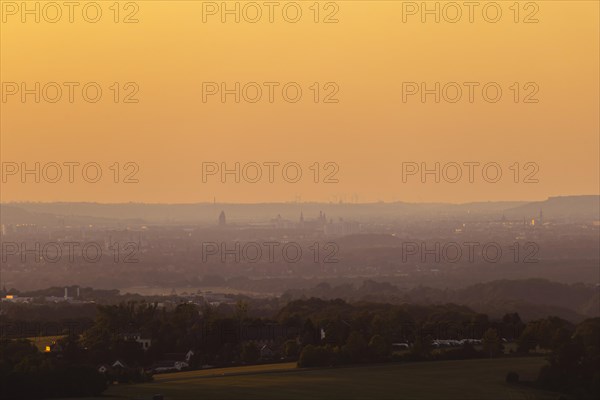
<point>466,379</point>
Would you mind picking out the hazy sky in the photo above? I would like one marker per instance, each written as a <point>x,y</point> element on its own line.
<point>172,58</point>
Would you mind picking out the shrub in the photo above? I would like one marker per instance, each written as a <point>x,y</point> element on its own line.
<point>512,377</point>
<point>315,356</point>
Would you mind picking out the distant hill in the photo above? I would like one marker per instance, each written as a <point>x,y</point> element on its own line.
<point>568,207</point>
<point>564,207</point>
<point>11,214</point>
<point>531,298</point>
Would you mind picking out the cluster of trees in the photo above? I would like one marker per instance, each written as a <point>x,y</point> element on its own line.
<point>574,360</point>
<point>396,323</point>
<point>214,338</point>
<point>534,298</point>
<point>315,332</point>
<point>574,365</point>
<point>366,332</point>
<point>25,373</point>
<point>350,333</point>
<point>355,350</point>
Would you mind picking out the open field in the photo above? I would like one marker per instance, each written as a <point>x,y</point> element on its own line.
<point>219,372</point>
<point>468,379</point>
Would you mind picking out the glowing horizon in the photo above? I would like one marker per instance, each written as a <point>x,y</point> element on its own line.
<point>365,115</point>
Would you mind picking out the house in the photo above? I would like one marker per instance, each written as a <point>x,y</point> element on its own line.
<point>180,356</point>
<point>169,366</point>
<point>116,365</point>
<point>138,338</point>
<point>104,368</point>
<point>266,352</point>
<point>53,348</point>
<point>145,342</point>
<point>400,346</point>
<point>119,364</point>
<point>173,362</point>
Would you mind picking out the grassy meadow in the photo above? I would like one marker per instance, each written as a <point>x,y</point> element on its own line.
<point>465,379</point>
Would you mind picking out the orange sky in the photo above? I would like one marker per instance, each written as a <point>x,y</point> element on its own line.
<point>368,133</point>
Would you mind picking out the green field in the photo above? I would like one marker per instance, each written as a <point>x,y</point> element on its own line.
<point>469,379</point>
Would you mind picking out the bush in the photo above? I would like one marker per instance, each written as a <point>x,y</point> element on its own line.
<point>250,353</point>
<point>291,349</point>
<point>512,377</point>
<point>356,349</point>
<point>378,348</point>
<point>315,356</point>
<point>59,381</point>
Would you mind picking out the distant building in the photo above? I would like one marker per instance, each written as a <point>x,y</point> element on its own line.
<point>119,364</point>
<point>266,352</point>
<point>342,227</point>
<point>222,221</point>
<point>104,368</point>
<point>13,298</point>
<point>169,366</point>
<point>138,338</point>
